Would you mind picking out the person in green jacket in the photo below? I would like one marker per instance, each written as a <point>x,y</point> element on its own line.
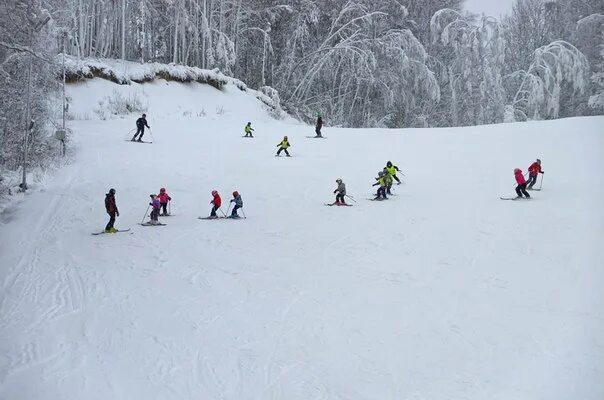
<point>283,146</point>
<point>392,170</point>
<point>381,182</point>
<point>387,180</point>
<point>248,130</point>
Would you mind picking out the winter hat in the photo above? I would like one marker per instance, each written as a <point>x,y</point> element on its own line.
<point>214,192</point>
<point>538,161</point>
<point>235,193</point>
<point>516,170</point>
<point>162,190</point>
<point>112,191</point>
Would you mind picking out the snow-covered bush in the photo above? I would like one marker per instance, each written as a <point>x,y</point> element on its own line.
<point>120,104</point>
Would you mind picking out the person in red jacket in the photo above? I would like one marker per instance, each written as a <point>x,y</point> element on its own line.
<point>534,170</point>
<point>521,188</point>
<point>164,198</point>
<point>112,210</point>
<point>217,202</point>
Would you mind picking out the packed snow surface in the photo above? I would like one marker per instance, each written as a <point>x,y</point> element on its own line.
<point>442,292</point>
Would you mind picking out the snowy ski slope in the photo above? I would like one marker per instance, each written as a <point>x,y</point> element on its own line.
<point>443,292</point>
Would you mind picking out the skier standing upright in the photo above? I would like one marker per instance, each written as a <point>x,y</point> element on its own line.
<point>164,198</point>
<point>248,130</point>
<point>534,170</point>
<point>381,182</point>
<point>216,203</point>
<point>141,123</point>
<point>341,192</point>
<point>156,205</point>
<point>238,204</point>
<point>318,126</point>
<point>283,146</point>
<point>112,210</point>
<point>392,170</point>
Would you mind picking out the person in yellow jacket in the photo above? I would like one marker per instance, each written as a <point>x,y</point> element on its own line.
<point>387,180</point>
<point>283,146</point>
<point>249,130</point>
<point>392,170</point>
<point>381,182</point>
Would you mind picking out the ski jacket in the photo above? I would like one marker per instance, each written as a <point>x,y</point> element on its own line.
<point>534,169</point>
<point>392,170</point>
<point>519,177</point>
<point>156,204</point>
<point>110,205</point>
<point>381,181</point>
<point>238,201</point>
<point>217,201</point>
<point>248,129</point>
<point>164,198</point>
<point>284,144</point>
<point>341,188</point>
<point>319,123</point>
<point>388,179</point>
<point>141,123</point>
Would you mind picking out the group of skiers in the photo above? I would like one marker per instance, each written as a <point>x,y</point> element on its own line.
<point>523,185</point>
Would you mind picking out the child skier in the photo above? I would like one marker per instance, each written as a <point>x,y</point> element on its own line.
<point>392,170</point>
<point>318,126</point>
<point>164,198</point>
<point>112,210</point>
<point>521,188</point>
<point>140,128</point>
<point>341,192</point>
<point>216,202</point>
<point>381,182</point>
<point>238,204</point>
<point>283,146</point>
<point>388,180</point>
<point>248,130</point>
<point>534,170</point>
<point>156,205</point>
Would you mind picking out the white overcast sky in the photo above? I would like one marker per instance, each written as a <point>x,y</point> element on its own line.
<point>494,8</point>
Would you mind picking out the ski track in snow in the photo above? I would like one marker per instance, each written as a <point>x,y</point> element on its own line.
<point>442,292</point>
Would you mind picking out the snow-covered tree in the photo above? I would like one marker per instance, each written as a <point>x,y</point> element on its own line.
<point>597,100</point>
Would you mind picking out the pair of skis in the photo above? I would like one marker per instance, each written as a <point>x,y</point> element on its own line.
<point>118,231</point>
<point>213,218</point>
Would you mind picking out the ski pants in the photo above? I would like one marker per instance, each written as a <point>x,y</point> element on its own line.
<point>111,220</point>
<point>318,131</point>
<point>155,214</point>
<point>140,130</point>
<point>282,149</point>
<point>532,179</point>
<point>340,198</point>
<point>521,190</point>
<point>164,208</point>
<point>234,213</point>
<point>213,212</point>
<point>381,192</point>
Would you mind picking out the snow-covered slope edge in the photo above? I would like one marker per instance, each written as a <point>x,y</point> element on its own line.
<point>133,75</point>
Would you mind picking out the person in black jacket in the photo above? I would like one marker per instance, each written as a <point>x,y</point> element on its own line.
<point>319,126</point>
<point>112,210</point>
<point>140,127</point>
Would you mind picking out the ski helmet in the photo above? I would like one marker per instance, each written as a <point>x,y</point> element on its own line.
<point>338,180</point>
<point>380,173</point>
<point>235,193</point>
<point>389,164</point>
<point>538,161</point>
<point>112,191</point>
<point>162,190</point>
<point>214,192</point>
<point>516,170</point>
<point>285,137</point>
<point>144,115</point>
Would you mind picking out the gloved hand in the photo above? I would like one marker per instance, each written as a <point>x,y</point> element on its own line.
<point>334,192</point>
<point>117,213</point>
<point>543,172</point>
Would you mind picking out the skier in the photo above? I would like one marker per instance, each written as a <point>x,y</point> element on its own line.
<point>387,179</point>
<point>381,182</point>
<point>319,126</point>
<point>521,188</point>
<point>283,146</point>
<point>341,192</point>
<point>140,127</point>
<point>248,130</point>
<point>164,198</point>
<point>238,204</point>
<point>216,202</point>
<point>112,210</point>
<point>534,170</point>
<point>155,211</point>
<point>392,170</point>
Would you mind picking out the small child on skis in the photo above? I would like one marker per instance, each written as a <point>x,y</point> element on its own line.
<point>248,130</point>
<point>521,188</point>
<point>534,170</point>
<point>388,180</point>
<point>216,202</point>
<point>156,205</point>
<point>164,198</point>
<point>381,182</point>
<point>238,204</point>
<point>283,146</point>
<point>341,192</point>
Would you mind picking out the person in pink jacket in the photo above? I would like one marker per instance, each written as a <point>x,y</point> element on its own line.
<point>521,188</point>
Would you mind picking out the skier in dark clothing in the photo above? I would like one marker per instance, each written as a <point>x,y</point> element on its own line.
<point>112,210</point>
<point>140,128</point>
<point>319,126</point>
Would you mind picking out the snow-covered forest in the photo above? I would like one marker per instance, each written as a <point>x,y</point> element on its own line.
<point>359,63</point>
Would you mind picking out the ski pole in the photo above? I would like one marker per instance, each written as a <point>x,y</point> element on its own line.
<point>243,212</point>
<point>228,208</point>
<point>223,211</point>
<point>169,207</point>
<point>146,211</point>
<point>351,198</point>
<point>151,134</point>
<point>541,183</point>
